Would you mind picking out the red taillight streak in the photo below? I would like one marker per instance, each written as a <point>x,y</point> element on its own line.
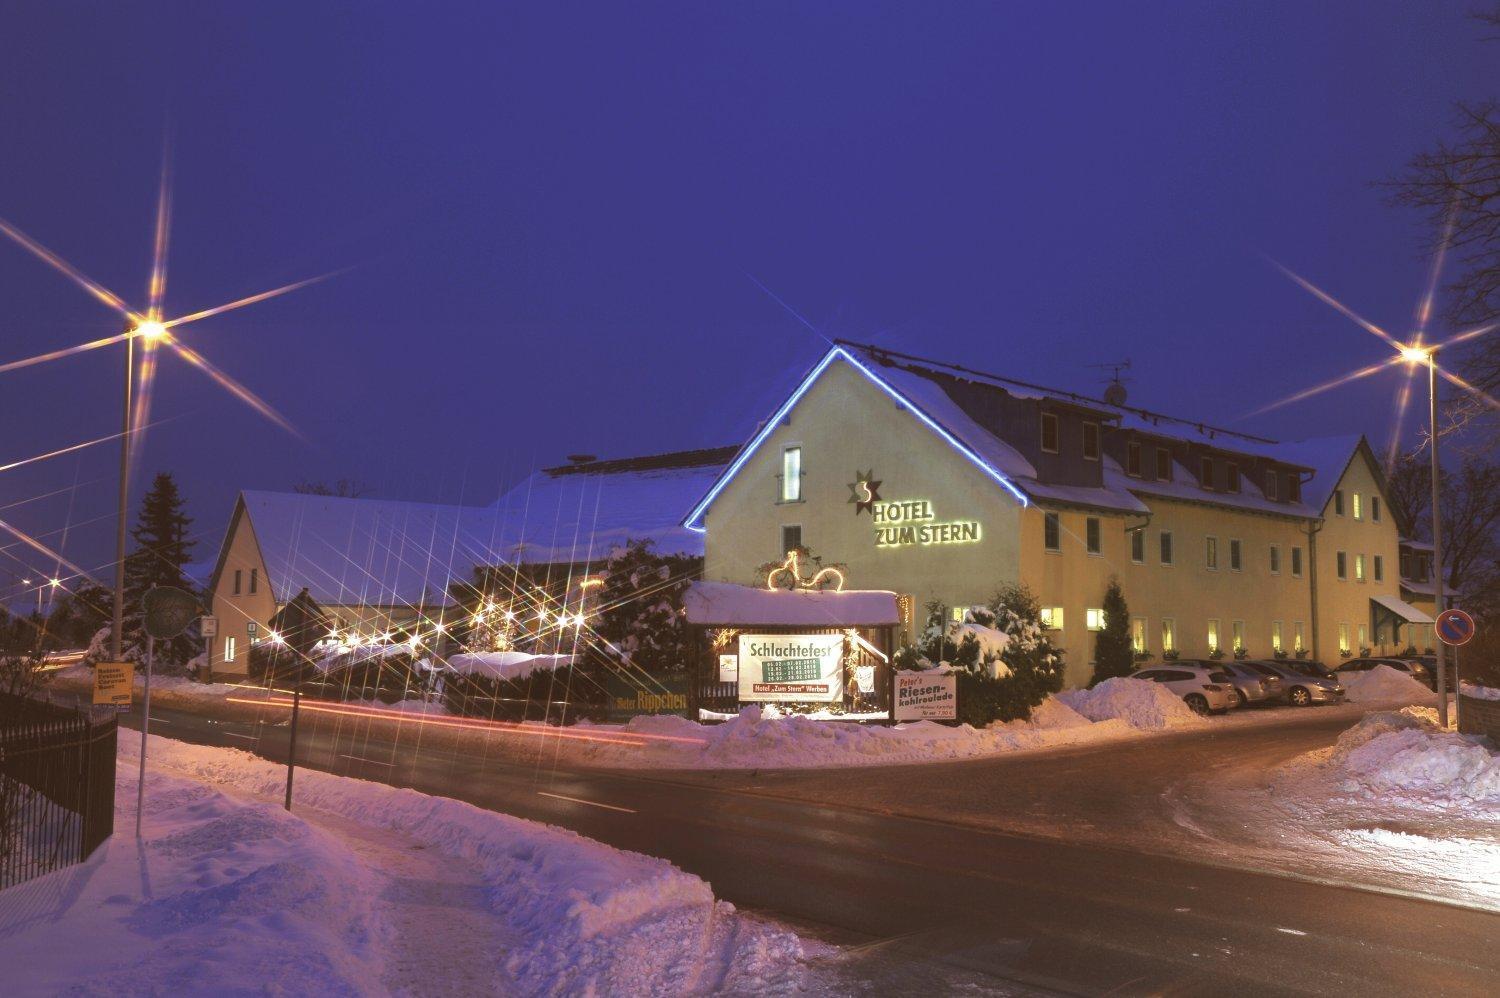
<point>473,723</point>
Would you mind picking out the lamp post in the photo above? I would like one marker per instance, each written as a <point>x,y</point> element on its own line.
<point>1428,356</point>
<point>152,330</point>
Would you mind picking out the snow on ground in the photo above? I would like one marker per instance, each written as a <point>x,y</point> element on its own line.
<point>1138,702</point>
<point>1384,684</point>
<point>1395,800</point>
<point>366,889</point>
<point>1479,692</point>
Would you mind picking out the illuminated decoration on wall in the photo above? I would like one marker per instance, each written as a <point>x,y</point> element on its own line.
<point>694,518</point>
<point>864,491</point>
<point>912,523</point>
<point>789,573</point>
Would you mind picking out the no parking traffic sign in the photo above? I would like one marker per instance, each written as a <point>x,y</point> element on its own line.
<point>1454,627</point>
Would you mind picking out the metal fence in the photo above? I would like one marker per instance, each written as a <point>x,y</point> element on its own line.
<point>57,786</point>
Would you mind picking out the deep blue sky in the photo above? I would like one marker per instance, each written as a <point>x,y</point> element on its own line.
<point>552,210</point>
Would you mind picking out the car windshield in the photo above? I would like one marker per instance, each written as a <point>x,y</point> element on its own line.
<point>1218,677</point>
<point>1307,668</point>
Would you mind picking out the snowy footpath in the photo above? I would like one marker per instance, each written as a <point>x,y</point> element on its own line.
<point>367,890</point>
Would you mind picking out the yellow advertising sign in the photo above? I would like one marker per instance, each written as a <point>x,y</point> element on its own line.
<point>113,682</point>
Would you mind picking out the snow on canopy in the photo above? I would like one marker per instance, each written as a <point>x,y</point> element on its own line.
<point>504,664</point>
<point>725,603</point>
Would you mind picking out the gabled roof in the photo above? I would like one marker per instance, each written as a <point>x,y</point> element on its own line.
<point>923,388</point>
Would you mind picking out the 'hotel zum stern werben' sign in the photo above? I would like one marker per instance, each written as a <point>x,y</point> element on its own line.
<point>906,522</point>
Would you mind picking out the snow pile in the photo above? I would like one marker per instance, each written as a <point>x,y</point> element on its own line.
<point>1384,684</point>
<point>588,918</point>
<point>1403,755</point>
<point>504,664</point>
<point>759,737</point>
<point>1140,703</point>
<point>226,893</point>
<point>1479,692</point>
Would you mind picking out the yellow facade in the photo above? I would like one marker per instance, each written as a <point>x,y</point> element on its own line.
<point>241,596</point>
<point>1255,590</point>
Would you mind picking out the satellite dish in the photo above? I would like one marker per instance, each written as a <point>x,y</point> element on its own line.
<point>1115,393</point>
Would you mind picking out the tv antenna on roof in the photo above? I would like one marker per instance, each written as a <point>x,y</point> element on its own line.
<point>1114,392</point>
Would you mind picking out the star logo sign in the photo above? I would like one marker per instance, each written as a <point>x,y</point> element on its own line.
<point>864,491</point>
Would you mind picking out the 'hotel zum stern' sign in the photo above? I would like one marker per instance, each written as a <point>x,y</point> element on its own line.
<point>906,522</point>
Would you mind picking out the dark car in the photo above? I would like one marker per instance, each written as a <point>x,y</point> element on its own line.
<point>1411,667</point>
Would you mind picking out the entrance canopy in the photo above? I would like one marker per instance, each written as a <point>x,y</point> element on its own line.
<point>1399,609</point>
<point>724,604</point>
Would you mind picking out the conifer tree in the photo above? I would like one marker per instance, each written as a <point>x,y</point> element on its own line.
<point>159,559</point>
<point>1113,654</point>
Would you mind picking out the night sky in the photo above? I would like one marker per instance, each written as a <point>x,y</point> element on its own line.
<point>555,217</point>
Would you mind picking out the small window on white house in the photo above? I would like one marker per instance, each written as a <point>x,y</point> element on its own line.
<point>1138,635</point>
<point>1297,563</point>
<point>1211,553</point>
<point>1341,564</point>
<point>1237,634</point>
<point>1138,546</point>
<point>1359,568</point>
<point>1375,509</point>
<point>1297,644</point>
<point>1166,547</point>
<point>1051,532</point>
<point>1356,508</point>
<point>238,574</point>
<point>1338,502</point>
<point>254,580</point>
<point>1276,637</point>
<point>1344,638</point>
<point>1379,567</point>
<point>1094,619</point>
<point>1091,534</point>
<point>1213,635</point>
<point>1234,555</point>
<point>1168,634</point>
<point>1091,441</point>
<point>229,649</point>
<point>1052,618</point>
<point>791,537</point>
<point>1049,432</point>
<point>791,474</point>
<point>1275,559</point>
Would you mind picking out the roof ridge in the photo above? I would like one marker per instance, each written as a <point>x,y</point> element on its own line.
<point>1058,392</point>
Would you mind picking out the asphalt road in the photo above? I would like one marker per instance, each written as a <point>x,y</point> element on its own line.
<point>1005,872</point>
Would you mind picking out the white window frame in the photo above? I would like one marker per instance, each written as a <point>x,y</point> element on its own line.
<point>1357,507</point>
<point>1211,553</point>
<point>1138,539</point>
<point>1138,635</point>
<point>1168,634</point>
<point>1052,618</point>
<point>1093,525</point>
<point>1093,618</point>
<point>1168,548</point>
<point>1341,565</point>
<point>1048,517</point>
<point>1276,645</point>
<point>1213,633</point>
<point>791,484</point>
<point>781,534</point>
<point>231,648</point>
<point>1299,636</point>
<point>1296,561</point>
<point>1275,562</point>
<point>1236,555</point>
<point>1359,568</point>
<point>1237,634</point>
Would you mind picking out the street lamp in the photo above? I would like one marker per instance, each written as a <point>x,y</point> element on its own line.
<point>152,331</point>
<point>1417,354</point>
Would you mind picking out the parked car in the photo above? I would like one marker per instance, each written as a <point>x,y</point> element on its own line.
<point>1411,667</point>
<point>1303,683</point>
<point>1253,690</point>
<point>1205,691</point>
<point>1429,662</point>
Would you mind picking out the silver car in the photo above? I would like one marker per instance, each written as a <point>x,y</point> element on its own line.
<point>1303,683</point>
<point>1247,685</point>
<point>1205,691</point>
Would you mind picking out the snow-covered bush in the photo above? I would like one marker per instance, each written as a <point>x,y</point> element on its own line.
<point>642,614</point>
<point>1004,661</point>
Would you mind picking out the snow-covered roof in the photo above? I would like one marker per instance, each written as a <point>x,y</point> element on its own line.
<point>504,664</point>
<point>373,552</point>
<point>1402,609</point>
<point>582,512</point>
<point>727,604</point>
<point>1328,457</point>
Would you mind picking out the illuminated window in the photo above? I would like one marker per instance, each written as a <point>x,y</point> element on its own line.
<point>1093,619</point>
<point>1338,502</point>
<point>1211,553</point>
<point>254,580</point>
<point>237,574</point>
<point>1364,636</point>
<point>1206,472</point>
<point>1133,458</point>
<point>1234,555</point>
<point>1379,567</point>
<point>1138,635</point>
<point>1359,568</point>
<point>1051,532</point>
<point>1163,464</point>
<point>1213,635</point>
<point>1168,634</point>
<point>1049,432</point>
<point>1271,484</point>
<point>1232,477</point>
<point>1052,618</point>
<point>1275,559</point>
<point>791,474</point>
<point>956,614</point>
<point>1237,633</point>
<point>1375,509</point>
<point>1091,534</point>
<point>1166,547</point>
<point>1297,562</point>
<point>1276,636</point>
<point>1297,635</point>
<point>1091,441</point>
<point>230,649</point>
<point>1354,507</point>
<point>1343,637</point>
<point>1341,560</point>
<point>1138,546</point>
<point>791,537</point>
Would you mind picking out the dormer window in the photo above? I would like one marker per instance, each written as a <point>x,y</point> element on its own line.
<point>1271,491</point>
<point>1232,477</point>
<point>1294,487</point>
<point>1049,432</point>
<point>1206,472</point>
<point>1163,464</point>
<point>1133,459</point>
<point>1090,441</point>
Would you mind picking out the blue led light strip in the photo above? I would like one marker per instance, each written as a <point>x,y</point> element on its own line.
<point>691,522</point>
